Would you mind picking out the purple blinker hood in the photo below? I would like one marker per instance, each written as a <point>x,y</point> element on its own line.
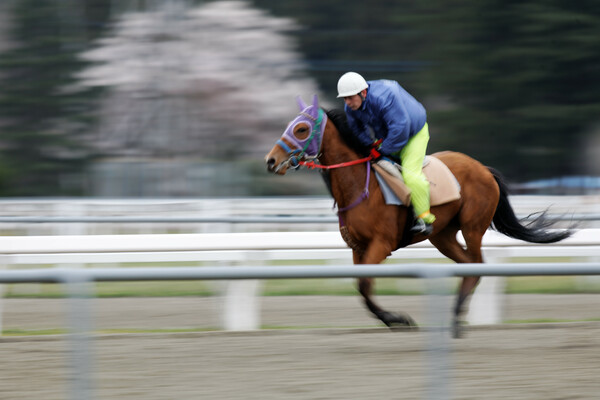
<point>314,117</point>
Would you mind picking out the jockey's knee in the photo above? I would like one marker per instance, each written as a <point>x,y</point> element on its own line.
<point>416,180</point>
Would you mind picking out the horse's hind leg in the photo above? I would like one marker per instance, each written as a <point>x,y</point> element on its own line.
<point>467,286</point>
<point>446,243</point>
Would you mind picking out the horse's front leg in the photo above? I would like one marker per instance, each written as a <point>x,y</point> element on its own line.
<point>375,255</point>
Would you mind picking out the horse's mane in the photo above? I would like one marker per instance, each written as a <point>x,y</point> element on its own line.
<point>338,118</point>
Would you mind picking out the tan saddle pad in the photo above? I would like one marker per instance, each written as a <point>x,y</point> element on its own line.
<point>443,186</point>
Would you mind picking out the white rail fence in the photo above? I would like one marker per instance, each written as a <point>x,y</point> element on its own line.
<point>41,217</point>
<point>241,310</point>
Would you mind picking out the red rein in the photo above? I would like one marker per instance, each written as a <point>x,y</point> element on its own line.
<point>313,165</point>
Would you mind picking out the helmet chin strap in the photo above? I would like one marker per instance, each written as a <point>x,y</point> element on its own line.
<point>362,97</point>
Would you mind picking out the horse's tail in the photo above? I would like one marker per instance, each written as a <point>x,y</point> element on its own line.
<point>506,222</point>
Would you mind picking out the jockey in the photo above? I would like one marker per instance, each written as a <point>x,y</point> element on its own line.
<point>385,117</point>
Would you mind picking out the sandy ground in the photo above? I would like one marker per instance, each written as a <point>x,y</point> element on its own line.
<point>341,352</point>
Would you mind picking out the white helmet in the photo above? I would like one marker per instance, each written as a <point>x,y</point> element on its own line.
<point>350,84</point>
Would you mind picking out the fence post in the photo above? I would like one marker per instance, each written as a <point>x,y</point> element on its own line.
<point>485,307</point>
<point>438,387</point>
<point>241,308</point>
<point>241,303</point>
<point>589,282</point>
<point>4,262</point>
<point>79,286</point>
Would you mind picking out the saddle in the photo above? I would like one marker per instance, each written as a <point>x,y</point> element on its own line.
<point>443,186</point>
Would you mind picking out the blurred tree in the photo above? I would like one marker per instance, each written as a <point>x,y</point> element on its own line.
<point>377,39</point>
<point>520,82</point>
<point>40,117</point>
<point>194,97</point>
<point>511,83</point>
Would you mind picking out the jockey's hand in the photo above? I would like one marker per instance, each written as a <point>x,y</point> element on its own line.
<point>375,154</point>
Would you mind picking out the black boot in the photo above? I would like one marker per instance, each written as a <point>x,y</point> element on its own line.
<point>421,227</point>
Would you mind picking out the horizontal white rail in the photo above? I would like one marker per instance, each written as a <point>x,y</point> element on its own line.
<point>58,275</point>
<point>281,219</point>
<point>240,256</point>
<point>271,247</point>
<point>270,241</point>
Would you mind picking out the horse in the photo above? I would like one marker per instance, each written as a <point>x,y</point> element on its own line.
<point>322,138</point>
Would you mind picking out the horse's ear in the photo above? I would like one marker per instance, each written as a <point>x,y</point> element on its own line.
<point>301,103</point>
<point>315,104</point>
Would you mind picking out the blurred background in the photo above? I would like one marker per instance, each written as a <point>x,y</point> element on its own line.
<point>183,98</point>
<point>117,109</point>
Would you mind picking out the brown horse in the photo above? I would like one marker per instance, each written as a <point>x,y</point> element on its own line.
<point>373,229</point>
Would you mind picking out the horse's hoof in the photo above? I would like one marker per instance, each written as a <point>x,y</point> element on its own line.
<point>458,330</point>
<point>394,320</point>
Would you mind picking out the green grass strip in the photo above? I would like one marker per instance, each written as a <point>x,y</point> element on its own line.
<point>304,287</point>
<point>33,332</point>
<point>548,321</point>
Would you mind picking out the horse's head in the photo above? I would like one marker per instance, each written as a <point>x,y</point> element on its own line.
<point>301,140</point>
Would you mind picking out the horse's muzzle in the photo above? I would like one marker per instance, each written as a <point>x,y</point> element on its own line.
<point>274,167</point>
<point>270,164</point>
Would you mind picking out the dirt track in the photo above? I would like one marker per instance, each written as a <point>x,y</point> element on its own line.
<point>343,356</point>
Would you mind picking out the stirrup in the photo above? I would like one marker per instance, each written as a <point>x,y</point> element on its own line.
<point>421,227</point>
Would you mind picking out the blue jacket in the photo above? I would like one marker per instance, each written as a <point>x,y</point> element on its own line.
<point>391,112</point>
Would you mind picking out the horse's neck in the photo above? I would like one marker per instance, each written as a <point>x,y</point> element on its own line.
<point>347,183</point>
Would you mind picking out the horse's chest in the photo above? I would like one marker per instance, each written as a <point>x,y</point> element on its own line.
<point>351,241</point>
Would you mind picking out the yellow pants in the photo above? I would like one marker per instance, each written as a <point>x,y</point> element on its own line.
<point>412,156</point>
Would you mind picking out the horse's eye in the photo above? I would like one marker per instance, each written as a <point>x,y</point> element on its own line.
<point>301,132</point>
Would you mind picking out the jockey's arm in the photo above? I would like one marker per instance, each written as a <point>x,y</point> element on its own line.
<point>360,130</point>
<point>395,118</point>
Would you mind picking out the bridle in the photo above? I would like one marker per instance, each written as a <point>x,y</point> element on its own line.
<point>307,151</point>
<point>308,148</point>
<point>299,156</point>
